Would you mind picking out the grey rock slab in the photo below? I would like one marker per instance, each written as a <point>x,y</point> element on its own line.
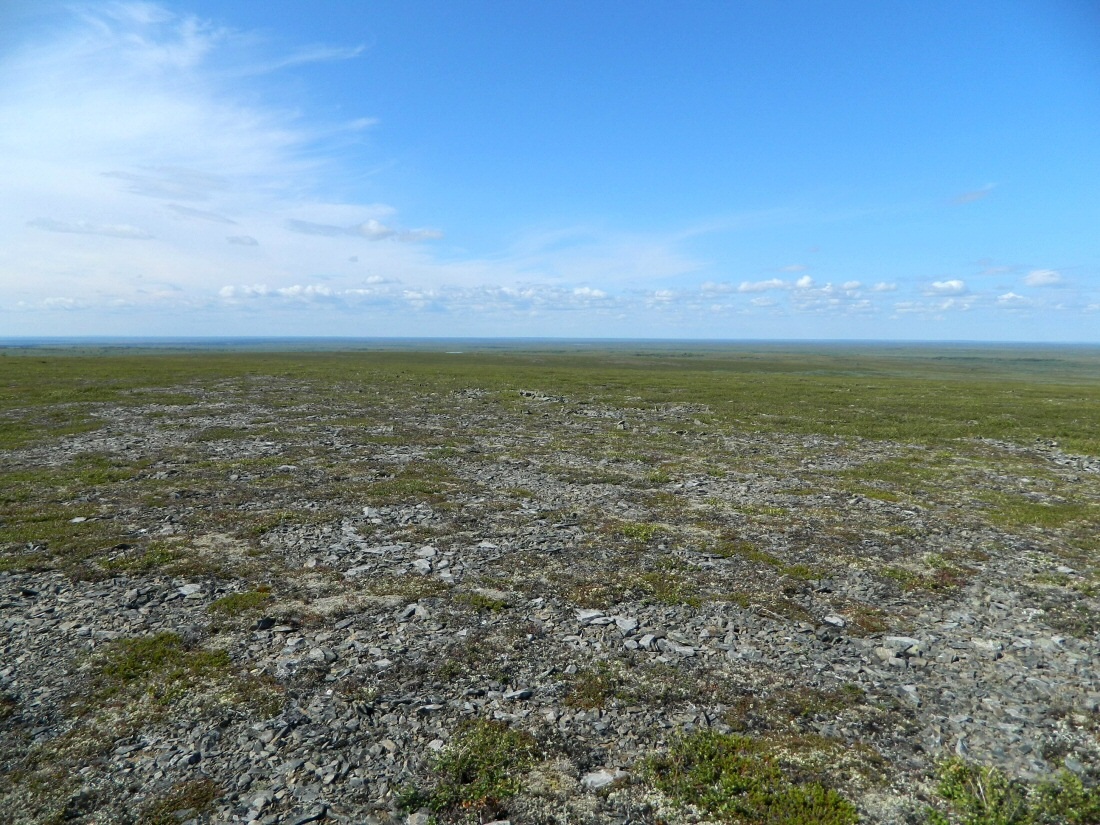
<point>587,616</point>
<point>594,780</point>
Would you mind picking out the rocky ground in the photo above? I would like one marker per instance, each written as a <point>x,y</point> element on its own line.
<point>305,614</point>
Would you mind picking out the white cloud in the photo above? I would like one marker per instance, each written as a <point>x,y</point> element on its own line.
<point>715,288</point>
<point>125,231</point>
<point>805,282</point>
<point>242,240</point>
<point>883,286</point>
<point>952,287</point>
<point>793,268</point>
<point>1042,277</point>
<point>199,214</point>
<point>851,285</point>
<point>762,286</point>
<point>975,194</point>
<point>62,303</point>
<point>589,292</point>
<point>1012,300</point>
<point>232,292</point>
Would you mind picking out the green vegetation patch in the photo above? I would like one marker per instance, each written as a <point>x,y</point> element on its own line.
<point>162,667</point>
<point>481,768</point>
<point>245,603</point>
<point>418,481</point>
<point>736,779</point>
<point>1014,511</point>
<point>640,532</point>
<point>654,684</point>
<point>185,801</point>
<point>978,795</point>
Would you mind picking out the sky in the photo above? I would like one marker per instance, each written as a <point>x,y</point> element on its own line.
<point>710,170</point>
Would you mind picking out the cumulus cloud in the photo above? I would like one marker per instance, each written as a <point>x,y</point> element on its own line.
<point>884,286</point>
<point>851,285</point>
<point>1012,300</point>
<point>805,282</point>
<point>952,287</point>
<point>589,292</point>
<point>253,291</point>
<point>1043,277</point>
<point>125,231</point>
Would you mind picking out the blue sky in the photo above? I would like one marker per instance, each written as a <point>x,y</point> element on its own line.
<point>881,170</point>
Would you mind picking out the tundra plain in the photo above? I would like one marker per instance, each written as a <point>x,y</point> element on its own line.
<point>638,583</point>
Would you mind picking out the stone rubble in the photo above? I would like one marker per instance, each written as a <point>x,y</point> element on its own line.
<point>371,603</point>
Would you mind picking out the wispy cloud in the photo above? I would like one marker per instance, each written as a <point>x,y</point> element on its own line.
<point>125,231</point>
<point>372,230</point>
<point>1043,277</point>
<point>974,194</point>
<point>184,184</point>
<point>198,214</point>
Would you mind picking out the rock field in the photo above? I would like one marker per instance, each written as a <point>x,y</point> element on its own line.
<point>326,603</point>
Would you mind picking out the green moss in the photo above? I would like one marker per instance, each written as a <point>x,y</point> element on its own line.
<point>735,779</point>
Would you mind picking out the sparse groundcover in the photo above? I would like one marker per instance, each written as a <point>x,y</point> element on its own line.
<point>186,801</point>
<point>736,779</point>
<point>162,667</point>
<point>244,603</point>
<point>476,774</point>
<point>751,496</point>
<point>978,795</point>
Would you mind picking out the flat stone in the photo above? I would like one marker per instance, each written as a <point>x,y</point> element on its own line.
<point>587,616</point>
<point>603,777</point>
<point>669,646</point>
